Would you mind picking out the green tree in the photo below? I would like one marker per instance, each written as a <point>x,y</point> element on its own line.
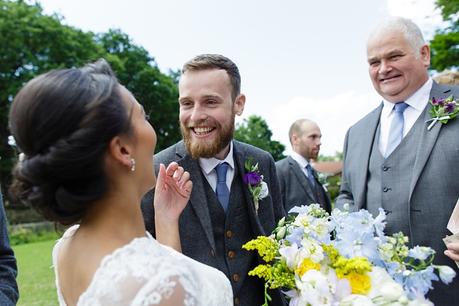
<point>157,92</point>
<point>33,43</point>
<point>255,131</point>
<point>445,44</point>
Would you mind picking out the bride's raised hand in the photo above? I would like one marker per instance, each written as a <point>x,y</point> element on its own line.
<point>172,192</point>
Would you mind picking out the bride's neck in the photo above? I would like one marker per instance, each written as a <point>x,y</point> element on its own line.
<point>116,215</point>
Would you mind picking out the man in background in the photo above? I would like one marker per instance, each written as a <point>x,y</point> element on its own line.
<point>394,158</point>
<point>298,180</point>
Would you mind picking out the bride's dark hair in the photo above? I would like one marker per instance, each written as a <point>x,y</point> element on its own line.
<point>62,122</point>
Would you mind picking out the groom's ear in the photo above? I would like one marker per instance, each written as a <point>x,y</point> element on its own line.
<point>120,151</point>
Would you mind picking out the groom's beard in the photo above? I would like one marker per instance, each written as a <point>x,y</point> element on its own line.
<point>201,148</point>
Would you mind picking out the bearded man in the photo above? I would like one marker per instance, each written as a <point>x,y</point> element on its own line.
<point>222,214</point>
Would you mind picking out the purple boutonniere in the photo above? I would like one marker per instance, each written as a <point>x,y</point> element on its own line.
<point>254,180</point>
<point>443,110</point>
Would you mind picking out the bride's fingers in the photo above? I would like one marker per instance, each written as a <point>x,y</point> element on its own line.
<point>161,175</point>
<point>171,168</point>
<point>178,173</point>
<point>184,178</point>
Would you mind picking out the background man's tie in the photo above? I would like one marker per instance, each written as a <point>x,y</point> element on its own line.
<point>396,128</point>
<point>311,179</point>
<point>222,189</point>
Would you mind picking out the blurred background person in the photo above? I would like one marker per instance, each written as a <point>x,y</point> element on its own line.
<point>298,180</point>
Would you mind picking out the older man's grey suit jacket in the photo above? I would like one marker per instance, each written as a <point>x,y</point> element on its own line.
<point>433,189</point>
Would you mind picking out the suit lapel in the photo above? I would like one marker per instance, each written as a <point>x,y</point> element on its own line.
<point>366,139</point>
<point>198,198</point>
<point>428,138</point>
<point>301,177</point>
<point>240,158</point>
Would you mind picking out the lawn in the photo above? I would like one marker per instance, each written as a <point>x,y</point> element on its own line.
<point>35,274</point>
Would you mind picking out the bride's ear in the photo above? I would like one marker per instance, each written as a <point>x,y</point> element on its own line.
<point>120,151</point>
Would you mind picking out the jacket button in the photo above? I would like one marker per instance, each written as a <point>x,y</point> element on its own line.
<point>229,234</point>
<point>212,252</point>
<point>235,277</point>
<point>231,254</point>
<point>237,301</point>
<point>386,189</point>
<point>385,168</point>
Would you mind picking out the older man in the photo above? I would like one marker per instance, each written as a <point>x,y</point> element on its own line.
<point>298,180</point>
<point>221,215</point>
<point>392,159</point>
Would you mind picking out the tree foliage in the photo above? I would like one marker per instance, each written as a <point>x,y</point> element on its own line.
<point>255,131</point>
<point>445,44</point>
<point>32,43</point>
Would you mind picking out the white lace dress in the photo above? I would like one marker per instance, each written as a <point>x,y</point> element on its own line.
<point>145,272</point>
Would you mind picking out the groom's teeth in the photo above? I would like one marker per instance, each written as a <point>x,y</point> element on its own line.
<point>201,130</point>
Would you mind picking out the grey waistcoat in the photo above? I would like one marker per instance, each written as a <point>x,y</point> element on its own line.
<point>231,231</point>
<point>388,181</point>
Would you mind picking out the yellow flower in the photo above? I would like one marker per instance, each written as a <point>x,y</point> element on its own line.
<point>360,283</point>
<point>262,271</point>
<point>305,266</point>
<point>267,247</point>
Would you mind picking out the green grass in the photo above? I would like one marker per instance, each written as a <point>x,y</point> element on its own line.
<point>35,274</point>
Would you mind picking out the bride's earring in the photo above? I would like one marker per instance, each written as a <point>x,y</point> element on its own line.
<point>132,164</point>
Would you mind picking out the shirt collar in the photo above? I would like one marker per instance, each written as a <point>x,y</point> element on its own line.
<point>303,162</point>
<point>417,100</point>
<point>209,164</point>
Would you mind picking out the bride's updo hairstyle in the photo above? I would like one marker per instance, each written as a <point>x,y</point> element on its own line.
<point>63,122</point>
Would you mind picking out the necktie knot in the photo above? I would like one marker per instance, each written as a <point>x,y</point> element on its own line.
<point>221,172</point>
<point>400,107</point>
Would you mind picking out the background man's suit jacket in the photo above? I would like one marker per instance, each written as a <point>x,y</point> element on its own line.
<point>195,220</point>
<point>434,187</point>
<point>295,188</point>
<point>8,287</point>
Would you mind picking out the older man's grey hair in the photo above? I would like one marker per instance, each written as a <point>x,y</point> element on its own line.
<point>408,28</point>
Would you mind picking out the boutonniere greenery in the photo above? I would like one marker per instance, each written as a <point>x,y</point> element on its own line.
<point>254,180</point>
<point>443,110</point>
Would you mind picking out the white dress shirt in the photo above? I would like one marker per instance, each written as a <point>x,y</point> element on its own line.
<point>417,102</point>
<point>208,168</point>
<point>302,162</point>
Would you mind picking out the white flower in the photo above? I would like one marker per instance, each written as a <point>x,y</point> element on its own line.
<point>264,190</point>
<point>382,284</point>
<point>446,274</point>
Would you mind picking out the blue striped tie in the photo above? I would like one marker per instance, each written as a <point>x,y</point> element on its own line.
<point>222,189</point>
<point>396,128</point>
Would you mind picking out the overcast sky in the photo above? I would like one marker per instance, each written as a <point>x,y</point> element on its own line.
<point>297,58</point>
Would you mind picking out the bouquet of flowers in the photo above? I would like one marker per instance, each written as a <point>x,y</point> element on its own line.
<point>344,259</point>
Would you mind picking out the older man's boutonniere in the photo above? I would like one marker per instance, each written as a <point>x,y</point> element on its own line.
<point>254,180</point>
<point>443,110</point>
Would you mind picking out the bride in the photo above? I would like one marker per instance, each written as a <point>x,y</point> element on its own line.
<point>86,162</point>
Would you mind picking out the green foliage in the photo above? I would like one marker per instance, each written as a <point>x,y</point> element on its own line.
<point>23,235</point>
<point>33,43</point>
<point>445,44</point>
<point>36,276</point>
<point>255,131</point>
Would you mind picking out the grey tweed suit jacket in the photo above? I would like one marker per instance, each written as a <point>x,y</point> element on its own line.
<point>195,220</point>
<point>295,188</point>
<point>433,190</point>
